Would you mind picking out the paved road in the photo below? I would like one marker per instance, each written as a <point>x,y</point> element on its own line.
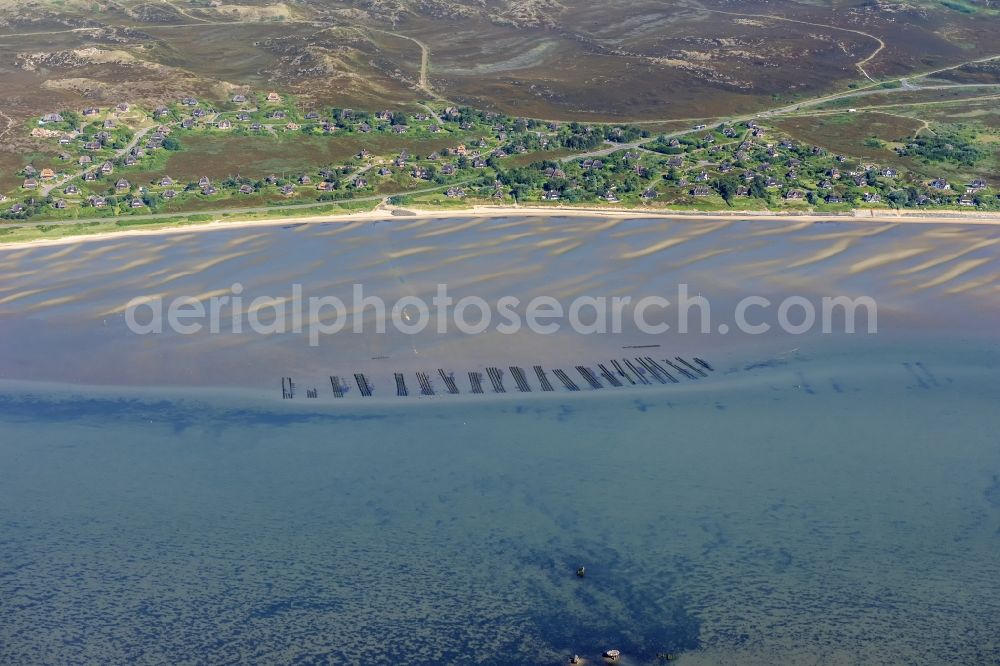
<point>277,210</point>
<point>48,187</point>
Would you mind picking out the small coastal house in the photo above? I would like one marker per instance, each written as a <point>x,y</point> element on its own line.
<point>122,185</point>
<point>701,191</point>
<point>273,97</point>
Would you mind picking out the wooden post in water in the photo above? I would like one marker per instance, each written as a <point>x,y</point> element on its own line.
<point>608,375</point>
<point>703,364</point>
<point>449,381</point>
<point>519,379</point>
<point>496,377</point>
<point>476,382</point>
<point>638,375</point>
<point>589,377</point>
<point>543,379</point>
<point>649,368</point>
<point>621,371</point>
<point>698,370</point>
<point>400,384</point>
<point>567,382</point>
<point>662,370</point>
<point>425,384</point>
<point>363,386</point>
<point>678,368</point>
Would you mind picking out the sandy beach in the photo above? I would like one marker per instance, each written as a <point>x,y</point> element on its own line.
<point>408,213</point>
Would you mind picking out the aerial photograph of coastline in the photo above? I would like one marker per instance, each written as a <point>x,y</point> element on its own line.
<point>499,332</point>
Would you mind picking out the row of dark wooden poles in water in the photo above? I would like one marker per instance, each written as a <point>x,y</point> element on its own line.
<point>625,372</point>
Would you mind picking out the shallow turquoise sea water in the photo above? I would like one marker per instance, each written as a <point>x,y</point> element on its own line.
<point>817,499</point>
<point>836,507</point>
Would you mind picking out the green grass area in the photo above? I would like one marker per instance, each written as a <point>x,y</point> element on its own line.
<point>9,233</point>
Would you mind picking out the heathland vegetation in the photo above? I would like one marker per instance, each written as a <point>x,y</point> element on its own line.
<point>270,150</point>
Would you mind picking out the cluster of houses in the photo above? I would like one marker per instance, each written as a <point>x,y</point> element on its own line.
<point>98,152</point>
<point>732,161</point>
<point>778,167</point>
<point>693,166</point>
